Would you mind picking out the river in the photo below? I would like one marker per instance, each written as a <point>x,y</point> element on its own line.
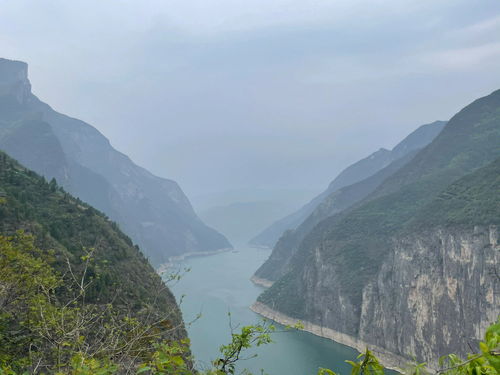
<point>218,284</point>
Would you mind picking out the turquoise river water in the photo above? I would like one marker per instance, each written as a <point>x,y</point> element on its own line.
<point>218,284</point>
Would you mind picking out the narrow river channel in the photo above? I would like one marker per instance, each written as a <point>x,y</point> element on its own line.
<point>218,284</point>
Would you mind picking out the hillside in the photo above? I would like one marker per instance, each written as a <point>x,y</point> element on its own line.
<point>104,277</point>
<point>338,265</point>
<point>152,210</point>
<point>355,173</point>
<point>70,227</point>
<point>343,198</point>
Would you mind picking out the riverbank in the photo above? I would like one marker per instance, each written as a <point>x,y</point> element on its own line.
<point>261,282</point>
<point>178,258</point>
<point>218,284</point>
<point>261,247</point>
<point>387,359</point>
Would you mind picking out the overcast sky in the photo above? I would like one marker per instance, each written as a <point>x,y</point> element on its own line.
<point>227,94</point>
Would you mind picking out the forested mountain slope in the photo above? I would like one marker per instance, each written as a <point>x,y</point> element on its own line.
<point>70,228</point>
<point>102,297</point>
<point>336,201</point>
<point>354,267</point>
<point>152,210</point>
<point>354,173</point>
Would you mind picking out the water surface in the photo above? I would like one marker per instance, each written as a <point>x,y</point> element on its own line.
<point>218,284</point>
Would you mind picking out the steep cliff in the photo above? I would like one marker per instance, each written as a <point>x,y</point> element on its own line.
<point>420,255</point>
<point>153,210</point>
<point>435,294</point>
<point>336,200</point>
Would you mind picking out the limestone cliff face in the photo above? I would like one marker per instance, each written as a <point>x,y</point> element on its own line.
<point>437,293</point>
<point>434,294</point>
<point>14,80</point>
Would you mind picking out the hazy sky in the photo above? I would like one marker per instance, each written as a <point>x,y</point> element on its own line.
<point>226,94</point>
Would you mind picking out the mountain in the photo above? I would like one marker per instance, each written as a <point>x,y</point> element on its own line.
<point>354,173</point>
<point>152,210</point>
<point>398,275</point>
<point>337,199</point>
<point>65,229</point>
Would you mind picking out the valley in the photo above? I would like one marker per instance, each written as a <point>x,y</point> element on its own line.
<point>226,187</point>
<point>218,284</point>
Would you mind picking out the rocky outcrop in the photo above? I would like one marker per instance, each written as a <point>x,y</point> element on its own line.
<point>414,269</point>
<point>435,294</point>
<point>261,282</point>
<point>14,81</point>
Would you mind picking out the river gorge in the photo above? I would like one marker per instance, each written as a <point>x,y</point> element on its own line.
<point>218,284</point>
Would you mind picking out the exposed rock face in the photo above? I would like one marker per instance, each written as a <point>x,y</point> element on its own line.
<point>14,80</point>
<point>414,269</point>
<point>154,211</point>
<point>436,294</point>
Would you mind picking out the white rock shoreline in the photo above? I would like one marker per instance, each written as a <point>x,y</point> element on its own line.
<point>172,260</point>
<point>261,282</point>
<point>388,360</point>
<point>262,247</point>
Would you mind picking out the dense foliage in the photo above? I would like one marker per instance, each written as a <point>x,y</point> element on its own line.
<point>97,288</point>
<point>77,298</point>
<point>69,227</point>
<point>40,333</point>
<point>472,200</point>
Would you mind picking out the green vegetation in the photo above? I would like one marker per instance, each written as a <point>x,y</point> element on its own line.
<point>356,242</point>
<point>42,334</point>
<point>47,325</point>
<point>154,211</point>
<point>70,228</point>
<point>472,200</point>
<point>95,289</point>
<point>351,186</point>
<point>77,298</point>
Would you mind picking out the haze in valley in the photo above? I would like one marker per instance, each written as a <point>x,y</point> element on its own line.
<point>226,95</point>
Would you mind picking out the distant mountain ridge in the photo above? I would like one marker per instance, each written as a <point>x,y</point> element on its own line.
<point>356,172</point>
<point>413,263</point>
<point>152,210</point>
<point>335,200</point>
